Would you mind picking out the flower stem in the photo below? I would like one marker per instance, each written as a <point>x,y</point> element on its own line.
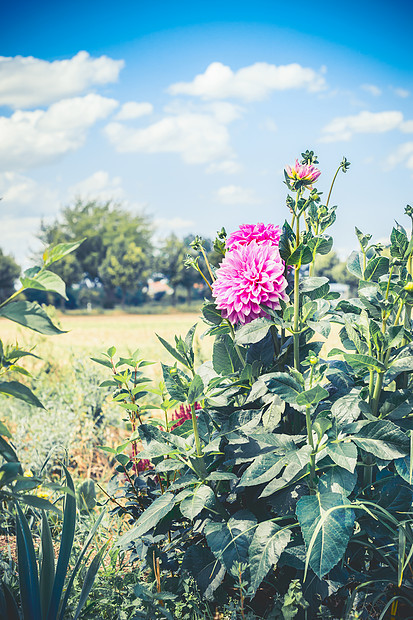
<point>296,335</point>
<point>311,482</point>
<point>332,184</point>
<point>199,452</point>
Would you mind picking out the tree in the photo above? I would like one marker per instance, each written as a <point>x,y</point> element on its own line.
<point>103,224</point>
<point>125,266</point>
<point>330,266</point>
<point>9,272</point>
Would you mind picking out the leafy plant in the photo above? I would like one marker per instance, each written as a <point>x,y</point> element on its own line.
<point>297,469</point>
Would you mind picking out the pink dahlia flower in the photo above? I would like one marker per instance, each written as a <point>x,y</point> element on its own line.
<point>248,276</point>
<point>254,232</point>
<point>306,173</point>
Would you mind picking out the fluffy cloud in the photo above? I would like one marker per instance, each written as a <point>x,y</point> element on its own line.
<point>26,82</point>
<point>165,225</point>
<point>133,109</point>
<point>401,92</point>
<point>99,186</point>
<point>252,83</point>
<point>198,138</point>
<point>236,195</point>
<point>403,155</point>
<point>24,197</point>
<point>34,138</point>
<point>372,89</point>
<point>228,166</point>
<point>343,128</point>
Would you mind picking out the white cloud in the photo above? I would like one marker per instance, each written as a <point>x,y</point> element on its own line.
<point>174,224</point>
<point>134,109</point>
<point>22,196</point>
<point>372,89</point>
<point>343,128</point>
<point>99,186</point>
<point>34,138</point>
<point>402,155</point>
<point>228,166</point>
<point>252,83</point>
<point>26,82</point>
<point>407,127</point>
<point>401,92</point>
<point>236,195</point>
<point>198,138</point>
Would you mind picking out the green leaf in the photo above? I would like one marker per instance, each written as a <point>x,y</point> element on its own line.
<point>66,544</point>
<point>272,416</point>
<point>229,541</point>
<point>58,251</point>
<point>363,363</point>
<point>39,502</point>
<point>268,543</point>
<point>28,574</point>
<point>326,526</point>
<point>312,397</point>
<point>89,580</point>
<point>47,566</point>
<point>355,264</point>
<point>337,480</point>
<point>376,267</point>
<point>397,366</point>
<point>347,408</point>
<point>45,281</point>
<point>9,472</point>
<point>201,497</point>
<point>253,332</point>
<point>307,285</point>
<point>383,439</point>
<point>31,315</point>
<point>4,431</point>
<point>148,519</point>
<point>404,468</point>
<point>285,386</point>
<point>224,357</point>
<point>173,351</point>
<point>296,462</point>
<point>321,244</point>
<point>344,454</point>
<point>173,383</point>
<point>20,391</point>
<point>301,256</point>
<point>196,390</point>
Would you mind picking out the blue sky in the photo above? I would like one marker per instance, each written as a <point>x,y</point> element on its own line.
<point>190,111</point>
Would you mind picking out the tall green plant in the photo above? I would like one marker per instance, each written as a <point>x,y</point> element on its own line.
<point>297,467</point>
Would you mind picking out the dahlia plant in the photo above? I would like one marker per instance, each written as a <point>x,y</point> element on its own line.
<point>290,488</point>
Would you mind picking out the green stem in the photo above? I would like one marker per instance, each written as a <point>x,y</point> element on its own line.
<point>207,264</point>
<point>311,483</point>
<point>377,392</point>
<point>296,334</point>
<point>332,184</point>
<point>199,452</point>
<point>274,335</point>
<point>236,347</point>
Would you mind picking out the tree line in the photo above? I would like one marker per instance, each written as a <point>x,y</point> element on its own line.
<point>118,256</point>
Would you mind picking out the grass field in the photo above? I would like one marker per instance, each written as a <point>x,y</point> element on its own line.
<point>90,335</point>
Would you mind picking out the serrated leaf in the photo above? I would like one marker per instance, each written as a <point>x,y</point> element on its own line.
<point>285,386</point>
<point>57,252</point>
<point>355,264</point>
<point>201,497</point>
<point>20,391</point>
<point>312,397</point>
<point>173,351</point>
<point>148,519</point>
<point>45,281</point>
<point>31,315</point>
<point>229,541</point>
<point>344,454</point>
<point>376,267</point>
<point>337,480</point>
<point>196,390</point>
<point>383,439</point>
<point>224,357</point>
<point>268,543</point>
<point>253,332</point>
<point>326,526</point>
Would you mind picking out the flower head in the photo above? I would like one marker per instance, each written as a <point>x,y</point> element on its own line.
<point>301,175</point>
<point>254,232</point>
<point>248,276</point>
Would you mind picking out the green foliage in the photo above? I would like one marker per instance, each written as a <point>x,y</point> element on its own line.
<point>9,272</point>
